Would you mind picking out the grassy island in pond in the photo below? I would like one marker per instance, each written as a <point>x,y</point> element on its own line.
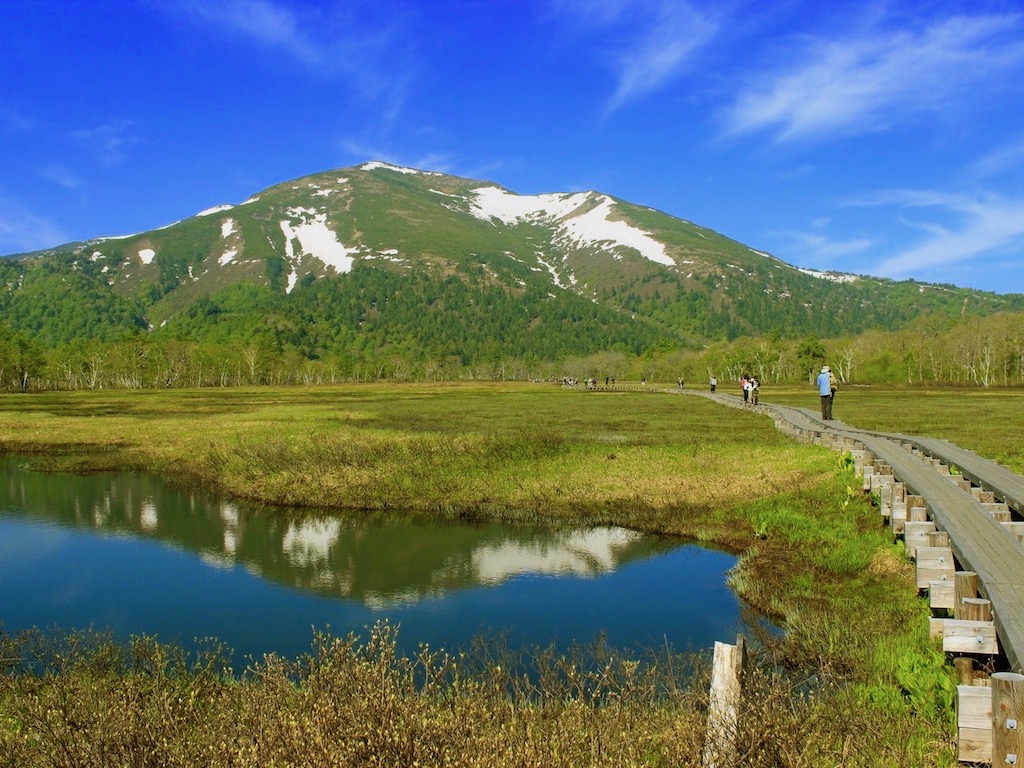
<point>854,679</point>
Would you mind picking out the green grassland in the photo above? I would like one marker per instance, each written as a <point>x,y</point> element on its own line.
<point>854,680</point>
<point>986,421</point>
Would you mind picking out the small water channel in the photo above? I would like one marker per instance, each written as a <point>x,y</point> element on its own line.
<point>132,554</point>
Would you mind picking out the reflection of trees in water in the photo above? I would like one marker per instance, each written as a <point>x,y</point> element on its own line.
<point>381,563</point>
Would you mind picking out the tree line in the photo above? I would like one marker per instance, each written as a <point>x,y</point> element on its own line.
<point>975,351</point>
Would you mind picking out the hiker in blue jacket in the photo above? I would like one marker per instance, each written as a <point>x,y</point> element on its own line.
<point>827,390</point>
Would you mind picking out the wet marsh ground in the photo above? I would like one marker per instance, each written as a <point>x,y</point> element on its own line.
<point>854,680</point>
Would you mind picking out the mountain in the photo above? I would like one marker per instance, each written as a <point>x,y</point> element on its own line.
<point>423,264</point>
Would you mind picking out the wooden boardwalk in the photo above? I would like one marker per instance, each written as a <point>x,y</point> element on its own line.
<point>971,544</point>
<point>979,542</point>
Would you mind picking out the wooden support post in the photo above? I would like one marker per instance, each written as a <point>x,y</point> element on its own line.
<point>1007,719</point>
<point>899,517</point>
<point>976,609</point>
<point>915,535</point>
<point>916,510</point>
<point>724,705</point>
<point>974,724</point>
<point>941,595</point>
<point>965,585</point>
<point>898,513</point>
<point>964,669</point>
<point>961,636</point>
<point>934,564</point>
<point>885,496</point>
<point>985,497</point>
<point>995,506</point>
<point>1016,530</point>
<point>938,539</point>
<point>917,514</point>
<point>869,472</point>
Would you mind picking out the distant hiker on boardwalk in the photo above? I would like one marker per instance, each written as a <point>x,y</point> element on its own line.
<point>755,390</point>
<point>745,386</point>
<point>827,391</point>
<point>714,383</point>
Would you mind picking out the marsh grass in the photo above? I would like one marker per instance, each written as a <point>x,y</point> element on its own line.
<point>518,451</point>
<point>986,421</point>
<point>852,680</point>
<point>355,701</point>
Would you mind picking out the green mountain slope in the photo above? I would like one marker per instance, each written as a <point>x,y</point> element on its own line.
<point>435,266</point>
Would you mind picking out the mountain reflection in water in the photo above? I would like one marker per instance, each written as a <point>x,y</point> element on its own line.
<point>133,554</point>
<point>378,564</point>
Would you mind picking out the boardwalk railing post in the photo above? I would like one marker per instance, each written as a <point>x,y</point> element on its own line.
<point>724,705</point>
<point>1007,719</point>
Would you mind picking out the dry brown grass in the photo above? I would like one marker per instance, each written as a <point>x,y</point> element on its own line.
<point>355,703</point>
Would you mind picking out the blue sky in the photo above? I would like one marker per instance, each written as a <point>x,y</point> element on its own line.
<point>881,138</point>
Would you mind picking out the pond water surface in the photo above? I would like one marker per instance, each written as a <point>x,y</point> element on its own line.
<point>132,554</point>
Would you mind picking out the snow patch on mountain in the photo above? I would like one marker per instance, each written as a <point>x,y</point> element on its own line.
<point>215,209</point>
<point>590,228</point>
<point>316,239</point>
<point>596,227</point>
<point>555,277</point>
<point>227,228</point>
<point>835,277</point>
<point>147,255</point>
<point>228,257</point>
<point>377,165</point>
<point>508,207</point>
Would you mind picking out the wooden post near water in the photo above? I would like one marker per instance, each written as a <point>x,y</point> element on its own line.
<point>724,705</point>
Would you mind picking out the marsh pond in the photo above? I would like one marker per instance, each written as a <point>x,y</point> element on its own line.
<point>134,555</point>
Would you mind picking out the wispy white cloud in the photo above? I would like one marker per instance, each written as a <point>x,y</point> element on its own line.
<point>329,43</point>
<point>60,176</point>
<point>108,142</point>
<point>21,230</point>
<point>261,21</point>
<point>869,81</point>
<point>1007,157</point>
<point>660,52</point>
<point>654,40</point>
<point>967,229</point>
<point>359,151</point>
<point>819,251</point>
<point>13,121</point>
